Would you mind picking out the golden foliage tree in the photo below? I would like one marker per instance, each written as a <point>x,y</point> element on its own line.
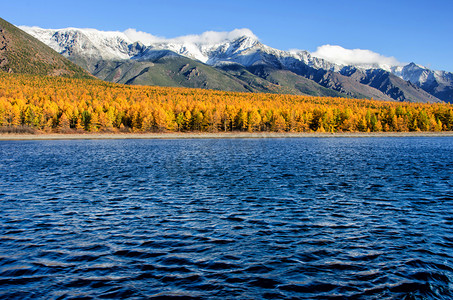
<point>56,104</point>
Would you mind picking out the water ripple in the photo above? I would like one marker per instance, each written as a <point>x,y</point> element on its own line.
<point>366,218</point>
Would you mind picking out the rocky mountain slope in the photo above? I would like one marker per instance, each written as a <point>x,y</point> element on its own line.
<point>238,61</point>
<point>22,53</point>
<point>436,83</point>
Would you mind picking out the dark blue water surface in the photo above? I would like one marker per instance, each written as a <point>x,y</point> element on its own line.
<point>366,218</point>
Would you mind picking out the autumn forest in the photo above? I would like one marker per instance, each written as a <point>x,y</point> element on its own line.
<point>56,104</point>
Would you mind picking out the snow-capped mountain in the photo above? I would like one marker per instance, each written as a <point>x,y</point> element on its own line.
<point>92,43</point>
<point>437,83</point>
<point>88,47</point>
<point>111,45</point>
<point>421,75</point>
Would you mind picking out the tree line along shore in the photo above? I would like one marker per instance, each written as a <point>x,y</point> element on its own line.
<point>30,103</point>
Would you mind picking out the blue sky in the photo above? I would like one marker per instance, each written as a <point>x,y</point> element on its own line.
<point>419,31</point>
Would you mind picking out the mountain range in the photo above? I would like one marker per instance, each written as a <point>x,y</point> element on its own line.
<point>238,61</point>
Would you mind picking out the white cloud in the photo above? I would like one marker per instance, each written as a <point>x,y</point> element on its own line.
<point>141,36</point>
<point>340,55</point>
<point>208,37</point>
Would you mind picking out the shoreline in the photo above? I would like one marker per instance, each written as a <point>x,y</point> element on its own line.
<point>218,135</point>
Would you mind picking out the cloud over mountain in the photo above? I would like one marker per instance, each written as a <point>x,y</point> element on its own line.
<point>206,38</point>
<point>142,37</point>
<point>215,37</point>
<point>340,55</point>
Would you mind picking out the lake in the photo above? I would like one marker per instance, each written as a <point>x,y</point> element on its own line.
<point>317,218</point>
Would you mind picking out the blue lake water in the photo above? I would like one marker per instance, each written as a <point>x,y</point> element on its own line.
<point>362,218</point>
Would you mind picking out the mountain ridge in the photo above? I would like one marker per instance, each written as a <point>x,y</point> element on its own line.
<point>87,47</point>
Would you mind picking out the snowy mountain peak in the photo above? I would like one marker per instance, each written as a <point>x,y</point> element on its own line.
<point>415,66</point>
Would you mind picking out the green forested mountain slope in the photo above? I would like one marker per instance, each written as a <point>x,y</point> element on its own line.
<point>22,53</point>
